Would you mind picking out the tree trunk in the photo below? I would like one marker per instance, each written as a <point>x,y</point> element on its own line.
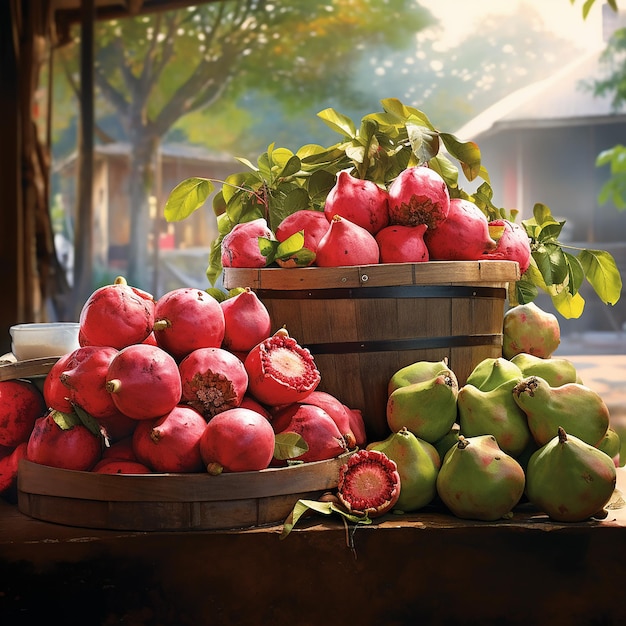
<point>141,187</point>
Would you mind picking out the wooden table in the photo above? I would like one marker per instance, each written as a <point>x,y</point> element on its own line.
<point>424,568</point>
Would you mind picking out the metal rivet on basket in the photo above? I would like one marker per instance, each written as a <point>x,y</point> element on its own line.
<point>364,278</point>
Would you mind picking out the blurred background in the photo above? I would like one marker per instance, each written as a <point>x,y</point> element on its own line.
<point>132,97</point>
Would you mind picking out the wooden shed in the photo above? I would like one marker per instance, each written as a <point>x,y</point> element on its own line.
<point>111,226</point>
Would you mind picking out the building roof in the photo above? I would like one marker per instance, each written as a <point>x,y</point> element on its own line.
<point>169,152</point>
<point>560,100</point>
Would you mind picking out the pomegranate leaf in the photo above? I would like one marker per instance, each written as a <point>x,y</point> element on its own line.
<point>602,273</point>
<point>188,196</point>
<point>325,508</point>
<point>289,445</point>
<point>466,152</point>
<point>424,141</point>
<point>65,421</point>
<point>87,420</point>
<point>551,263</point>
<point>338,122</point>
<point>291,245</point>
<point>576,273</point>
<point>445,168</point>
<point>217,294</point>
<point>568,305</point>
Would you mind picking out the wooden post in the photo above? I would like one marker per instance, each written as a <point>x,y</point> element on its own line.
<point>83,241</point>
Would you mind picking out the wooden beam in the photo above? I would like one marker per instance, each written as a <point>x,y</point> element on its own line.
<point>11,223</point>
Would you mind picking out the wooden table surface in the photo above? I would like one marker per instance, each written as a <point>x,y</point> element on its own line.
<point>424,568</point>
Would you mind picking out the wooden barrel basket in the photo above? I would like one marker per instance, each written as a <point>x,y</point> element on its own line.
<point>155,502</point>
<point>363,323</point>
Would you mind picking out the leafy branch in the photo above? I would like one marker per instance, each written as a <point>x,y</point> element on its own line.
<point>385,143</point>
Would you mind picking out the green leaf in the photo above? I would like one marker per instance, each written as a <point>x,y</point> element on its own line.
<point>338,122</point>
<point>568,305</point>
<point>525,291</point>
<point>65,421</point>
<point>268,249</point>
<point>289,445</point>
<point>576,273</point>
<point>542,213</point>
<point>214,268</point>
<point>188,196</point>
<point>301,507</point>
<point>89,422</point>
<point>424,142</point>
<point>587,7</point>
<point>446,169</point>
<point>602,273</point>
<point>291,245</point>
<point>291,167</point>
<point>325,508</point>
<point>550,231</point>
<point>467,152</point>
<point>217,294</point>
<point>302,258</point>
<point>551,263</point>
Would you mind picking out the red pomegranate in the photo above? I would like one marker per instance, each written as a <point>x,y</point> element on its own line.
<point>121,449</point>
<point>84,377</point>
<point>240,248</point>
<point>357,426</point>
<point>120,466</point>
<point>247,321</point>
<point>116,315</point>
<point>60,440</point>
<point>144,381</point>
<point>315,426</point>
<point>8,470</point>
<point>280,371</point>
<point>418,195</point>
<point>171,443</point>
<point>362,202</point>
<point>117,426</point>
<point>313,224</point>
<point>402,244</point>
<point>249,402</point>
<point>55,393</point>
<point>337,410</point>
<point>513,244</point>
<point>213,380</point>
<point>187,319</point>
<point>237,440</point>
<point>346,243</point>
<point>462,236</point>
<point>21,403</point>
<point>369,483</point>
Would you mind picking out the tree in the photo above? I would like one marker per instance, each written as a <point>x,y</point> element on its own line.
<point>153,70</point>
<point>614,82</point>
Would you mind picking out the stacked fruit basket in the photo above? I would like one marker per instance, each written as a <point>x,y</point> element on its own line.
<point>361,361</point>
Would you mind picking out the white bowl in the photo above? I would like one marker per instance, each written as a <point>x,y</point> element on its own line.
<point>34,341</point>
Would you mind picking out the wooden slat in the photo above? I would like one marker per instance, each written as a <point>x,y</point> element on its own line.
<point>53,481</point>
<point>30,368</point>
<point>486,273</point>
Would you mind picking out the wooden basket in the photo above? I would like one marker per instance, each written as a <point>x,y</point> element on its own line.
<point>149,502</point>
<point>364,323</point>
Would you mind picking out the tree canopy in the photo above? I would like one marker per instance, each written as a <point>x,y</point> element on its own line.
<point>152,70</point>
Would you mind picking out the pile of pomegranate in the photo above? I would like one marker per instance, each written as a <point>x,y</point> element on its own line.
<point>185,383</point>
<point>413,221</point>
